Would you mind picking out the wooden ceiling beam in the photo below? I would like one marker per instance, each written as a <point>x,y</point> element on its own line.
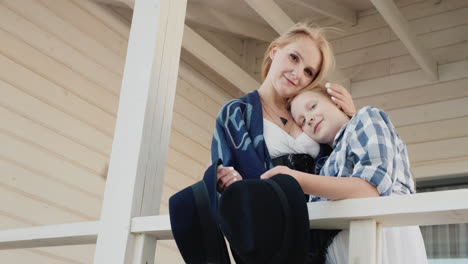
<point>128,3</point>
<point>330,9</point>
<point>217,61</point>
<point>401,27</point>
<point>272,14</point>
<point>202,50</point>
<point>222,21</point>
<point>216,20</point>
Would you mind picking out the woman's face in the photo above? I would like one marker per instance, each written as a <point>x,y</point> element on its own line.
<point>294,66</point>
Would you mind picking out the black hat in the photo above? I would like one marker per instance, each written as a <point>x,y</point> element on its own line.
<point>266,221</point>
<point>193,214</point>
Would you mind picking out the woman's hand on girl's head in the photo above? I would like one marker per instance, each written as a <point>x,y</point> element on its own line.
<point>342,98</point>
<point>226,176</point>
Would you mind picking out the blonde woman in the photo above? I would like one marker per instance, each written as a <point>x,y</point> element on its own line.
<point>256,132</point>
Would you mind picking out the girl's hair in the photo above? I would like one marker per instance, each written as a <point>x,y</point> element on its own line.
<point>319,88</point>
<point>317,34</point>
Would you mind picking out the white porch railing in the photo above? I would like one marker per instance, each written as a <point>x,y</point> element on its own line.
<point>136,170</point>
<point>364,217</point>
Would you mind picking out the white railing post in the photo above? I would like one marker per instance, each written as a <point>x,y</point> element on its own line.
<point>363,242</point>
<point>138,158</point>
<point>379,244</point>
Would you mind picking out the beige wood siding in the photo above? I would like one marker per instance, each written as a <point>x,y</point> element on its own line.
<point>61,64</point>
<point>430,116</point>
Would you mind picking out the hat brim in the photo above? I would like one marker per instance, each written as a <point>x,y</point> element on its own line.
<point>253,219</point>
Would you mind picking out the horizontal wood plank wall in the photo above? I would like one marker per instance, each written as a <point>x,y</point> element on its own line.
<point>432,117</point>
<point>61,65</point>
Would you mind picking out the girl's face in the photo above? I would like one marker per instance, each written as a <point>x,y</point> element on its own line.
<point>294,66</point>
<point>318,116</point>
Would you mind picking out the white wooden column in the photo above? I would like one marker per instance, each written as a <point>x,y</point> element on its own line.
<point>138,158</point>
<point>379,244</point>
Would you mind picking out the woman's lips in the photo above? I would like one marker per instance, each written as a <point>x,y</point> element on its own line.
<point>317,126</point>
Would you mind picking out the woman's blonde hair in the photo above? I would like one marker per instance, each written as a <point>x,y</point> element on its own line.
<point>317,34</point>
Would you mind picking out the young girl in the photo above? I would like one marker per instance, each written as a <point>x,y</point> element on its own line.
<point>368,160</point>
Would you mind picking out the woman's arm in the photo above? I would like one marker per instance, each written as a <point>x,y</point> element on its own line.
<point>334,188</point>
<point>221,148</point>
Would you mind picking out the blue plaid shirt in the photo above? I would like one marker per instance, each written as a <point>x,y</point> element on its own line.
<point>369,147</point>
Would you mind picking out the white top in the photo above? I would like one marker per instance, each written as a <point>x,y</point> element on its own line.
<point>280,143</point>
<point>402,245</point>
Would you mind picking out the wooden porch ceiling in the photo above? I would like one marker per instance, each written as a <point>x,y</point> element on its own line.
<point>227,16</point>
<point>262,20</point>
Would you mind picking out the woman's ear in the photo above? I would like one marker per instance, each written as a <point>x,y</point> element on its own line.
<point>273,51</point>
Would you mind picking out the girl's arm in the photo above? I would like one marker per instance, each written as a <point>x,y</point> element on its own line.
<point>334,188</point>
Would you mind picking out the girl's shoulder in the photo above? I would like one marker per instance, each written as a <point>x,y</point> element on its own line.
<point>370,118</point>
<point>370,114</point>
<point>370,111</point>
